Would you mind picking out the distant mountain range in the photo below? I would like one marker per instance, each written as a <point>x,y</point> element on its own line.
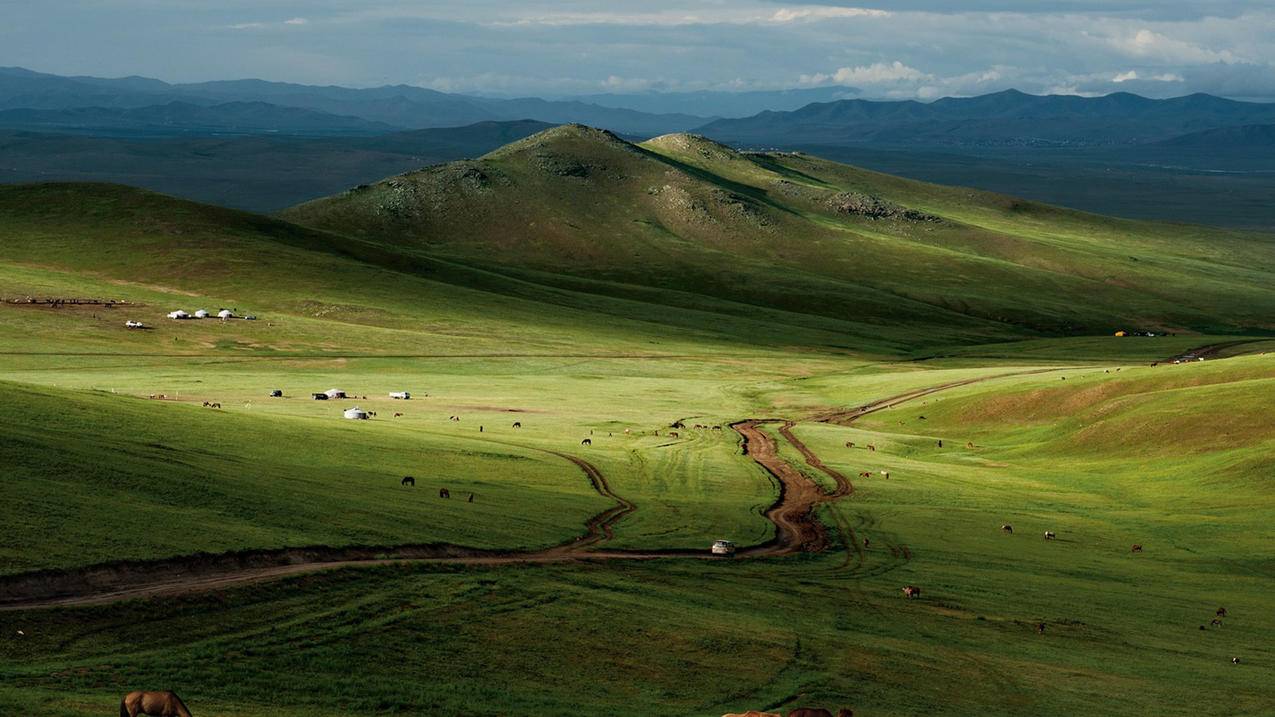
<point>813,116</point>
<point>1252,136</point>
<point>1004,119</point>
<point>393,107</point>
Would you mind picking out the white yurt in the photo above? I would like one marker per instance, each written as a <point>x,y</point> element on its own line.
<point>225,314</point>
<point>335,393</point>
<point>400,395</point>
<point>356,414</point>
<point>201,314</point>
<point>178,314</point>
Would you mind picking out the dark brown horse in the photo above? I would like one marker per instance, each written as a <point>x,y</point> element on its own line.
<point>911,591</point>
<point>153,704</point>
<point>1136,549</point>
<point>444,493</point>
<point>408,480</point>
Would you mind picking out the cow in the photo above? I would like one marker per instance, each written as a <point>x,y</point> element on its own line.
<point>1007,528</point>
<point>1136,548</point>
<point>444,493</point>
<point>408,480</point>
<point>587,442</point>
<point>153,704</point>
<point>911,591</point>
<point>1049,535</point>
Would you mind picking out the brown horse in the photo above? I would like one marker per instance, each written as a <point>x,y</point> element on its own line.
<point>1136,549</point>
<point>444,493</point>
<point>153,704</point>
<point>1007,528</point>
<point>911,591</point>
<point>408,480</point>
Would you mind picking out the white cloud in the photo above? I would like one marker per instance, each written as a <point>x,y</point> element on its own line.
<point>296,21</point>
<point>1125,76</point>
<point>1149,44</point>
<point>824,13</point>
<point>874,74</point>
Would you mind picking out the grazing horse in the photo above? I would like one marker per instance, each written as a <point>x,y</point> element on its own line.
<point>408,480</point>
<point>1040,628</point>
<point>1136,548</point>
<point>1216,622</point>
<point>849,444</point>
<point>1049,535</point>
<point>866,542</point>
<point>517,424</point>
<point>587,442</point>
<point>866,474</point>
<point>911,591</point>
<point>1221,612</point>
<point>1008,528</point>
<point>969,445</point>
<point>940,443</point>
<point>717,428</point>
<point>153,704</point>
<point>444,493</point>
<point>471,497</point>
<point>674,434</point>
<point>809,712</point>
<point>1235,660</point>
<point>872,448</point>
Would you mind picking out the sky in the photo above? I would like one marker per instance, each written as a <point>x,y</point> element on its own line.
<point>914,49</point>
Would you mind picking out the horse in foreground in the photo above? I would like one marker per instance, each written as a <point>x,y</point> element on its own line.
<point>153,704</point>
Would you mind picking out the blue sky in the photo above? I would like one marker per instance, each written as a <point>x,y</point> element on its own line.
<point>906,49</point>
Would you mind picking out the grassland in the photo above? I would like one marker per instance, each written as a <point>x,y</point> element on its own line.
<point>1042,427</point>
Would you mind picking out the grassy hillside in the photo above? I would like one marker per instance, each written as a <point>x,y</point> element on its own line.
<point>812,237</point>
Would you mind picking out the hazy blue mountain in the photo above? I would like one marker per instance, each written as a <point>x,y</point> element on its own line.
<point>720,104</point>
<point>1003,119</point>
<point>396,106</point>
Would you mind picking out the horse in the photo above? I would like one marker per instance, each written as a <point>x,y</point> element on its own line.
<point>587,442</point>
<point>885,474</point>
<point>872,448</point>
<point>1221,612</point>
<point>408,480</point>
<point>911,591</point>
<point>1049,535</point>
<point>940,443</point>
<point>1007,528</point>
<point>517,424</point>
<point>866,474</point>
<point>849,444</point>
<point>753,713</point>
<point>153,704</point>
<point>444,493</point>
<point>809,712</point>
<point>674,434</point>
<point>866,542</point>
<point>717,428</point>
<point>1040,628</point>
<point>1136,548</point>
<point>1235,660</point>
<point>969,445</point>
<point>471,497</point>
<point>398,415</point>
<point>1216,622</point>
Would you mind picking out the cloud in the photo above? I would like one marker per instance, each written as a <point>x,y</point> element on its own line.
<point>875,74</point>
<point>824,13</point>
<point>1153,45</point>
<point>268,25</point>
<point>296,21</point>
<point>1133,75</point>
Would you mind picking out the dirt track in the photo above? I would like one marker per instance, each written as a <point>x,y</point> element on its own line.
<point>797,529</point>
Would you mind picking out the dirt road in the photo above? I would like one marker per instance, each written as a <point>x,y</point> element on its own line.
<point>797,529</point>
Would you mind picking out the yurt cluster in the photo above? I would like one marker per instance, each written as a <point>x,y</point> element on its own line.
<point>223,314</point>
<point>354,414</point>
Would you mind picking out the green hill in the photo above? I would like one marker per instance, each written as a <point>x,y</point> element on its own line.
<point>812,237</point>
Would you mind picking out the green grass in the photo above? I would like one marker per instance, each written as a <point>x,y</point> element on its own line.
<point>675,305</point>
